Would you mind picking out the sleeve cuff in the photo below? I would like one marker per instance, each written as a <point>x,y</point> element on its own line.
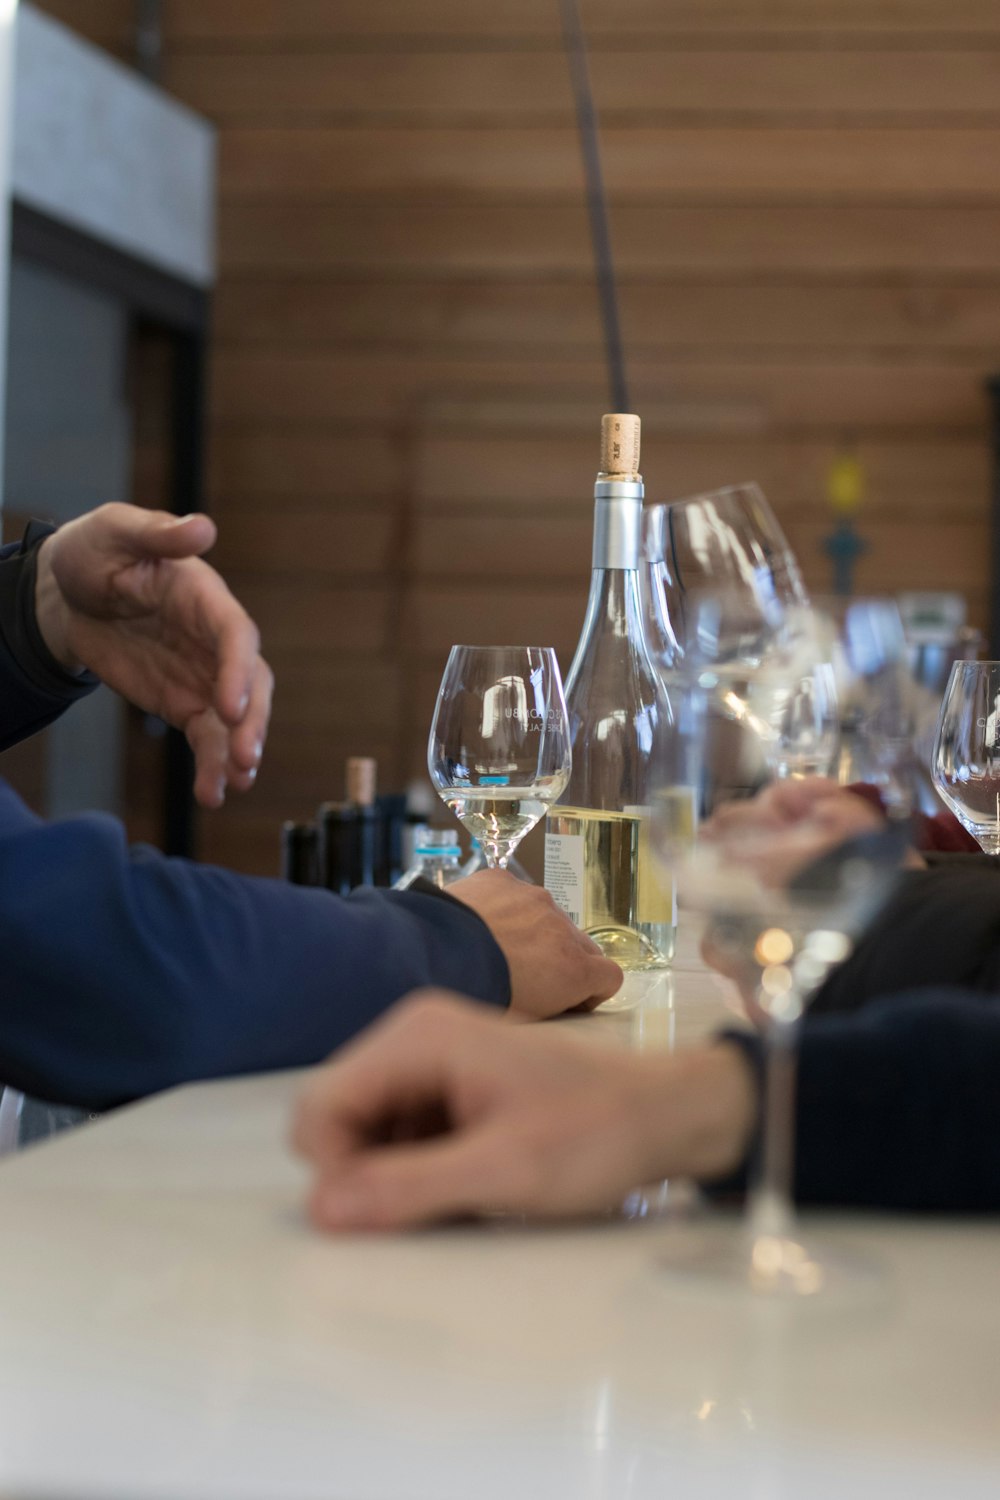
<point>34,658</point>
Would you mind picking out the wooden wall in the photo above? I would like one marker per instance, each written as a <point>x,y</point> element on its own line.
<point>408,368</point>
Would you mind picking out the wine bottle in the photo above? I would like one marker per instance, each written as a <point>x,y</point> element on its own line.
<point>300,853</point>
<point>360,775</point>
<point>350,832</point>
<point>599,864</point>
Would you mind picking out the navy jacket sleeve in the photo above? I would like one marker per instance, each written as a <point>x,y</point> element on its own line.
<point>34,688</point>
<point>124,972</point>
<point>897,1105</point>
<point>898,1101</point>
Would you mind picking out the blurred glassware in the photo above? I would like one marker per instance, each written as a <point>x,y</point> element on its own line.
<point>882,701</point>
<point>966,758</point>
<point>437,858</point>
<point>793,698</point>
<point>781,909</point>
<point>717,582</point>
<point>934,624</point>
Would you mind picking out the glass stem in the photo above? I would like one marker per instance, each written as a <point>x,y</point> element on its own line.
<point>771,1213</point>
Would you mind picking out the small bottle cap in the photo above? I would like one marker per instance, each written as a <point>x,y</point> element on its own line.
<point>360,776</point>
<point>620,433</point>
<point>436,840</point>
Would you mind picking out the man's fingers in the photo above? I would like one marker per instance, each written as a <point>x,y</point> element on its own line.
<point>247,739</point>
<point>209,740</point>
<point>393,1187</point>
<point>607,981</point>
<point>237,642</point>
<point>398,1067</point>
<point>157,533</point>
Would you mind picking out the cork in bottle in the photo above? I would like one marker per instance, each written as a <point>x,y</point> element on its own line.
<point>620,446</point>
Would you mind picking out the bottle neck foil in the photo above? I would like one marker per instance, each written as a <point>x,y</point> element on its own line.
<point>617,523</point>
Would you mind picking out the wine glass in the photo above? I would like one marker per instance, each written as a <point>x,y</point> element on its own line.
<point>499,748</point>
<point>718,583</point>
<point>726,547</point>
<point>966,762</point>
<point>781,909</point>
<point>792,700</point>
<point>884,700</point>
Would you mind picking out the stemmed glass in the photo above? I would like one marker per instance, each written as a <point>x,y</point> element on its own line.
<point>966,763</point>
<point>718,583</point>
<point>792,699</point>
<point>499,749</point>
<point>781,908</point>
<point>882,687</point>
<point>725,547</point>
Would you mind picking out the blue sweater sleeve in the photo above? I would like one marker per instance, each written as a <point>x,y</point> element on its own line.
<point>124,972</point>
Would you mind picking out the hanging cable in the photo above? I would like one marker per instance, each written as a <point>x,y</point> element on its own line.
<point>597,203</point>
<point>149,39</point>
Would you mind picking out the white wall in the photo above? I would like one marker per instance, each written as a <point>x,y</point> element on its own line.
<point>100,149</point>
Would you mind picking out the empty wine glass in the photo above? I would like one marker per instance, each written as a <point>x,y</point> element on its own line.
<point>966,761</point>
<point>719,582</point>
<point>881,690</point>
<point>499,748</point>
<point>792,700</point>
<point>724,546</point>
<point>781,908</point>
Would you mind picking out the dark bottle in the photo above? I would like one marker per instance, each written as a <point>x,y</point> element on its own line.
<point>360,777</point>
<point>300,853</point>
<point>394,818</point>
<point>336,852</point>
<point>351,832</point>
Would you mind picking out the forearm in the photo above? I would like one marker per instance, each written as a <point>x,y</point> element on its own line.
<point>694,1113</point>
<point>125,972</point>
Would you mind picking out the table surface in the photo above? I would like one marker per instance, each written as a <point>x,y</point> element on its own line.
<point>170,1327</point>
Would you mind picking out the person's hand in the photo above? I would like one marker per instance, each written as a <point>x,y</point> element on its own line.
<point>440,1110</point>
<point>791,824</point>
<point>553,965</point>
<point>124,592</point>
<point>780,804</point>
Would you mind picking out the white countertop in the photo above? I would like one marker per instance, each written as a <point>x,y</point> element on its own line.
<point>171,1327</point>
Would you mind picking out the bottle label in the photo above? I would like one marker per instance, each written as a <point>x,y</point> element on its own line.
<point>564,873</point>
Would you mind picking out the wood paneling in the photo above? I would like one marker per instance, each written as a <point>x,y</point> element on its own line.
<point>456,316</point>
<point>409,370</point>
<point>690,392</point>
<point>355,237</point>
<point>701,165</point>
<point>664,83</point>
<point>395,21</point>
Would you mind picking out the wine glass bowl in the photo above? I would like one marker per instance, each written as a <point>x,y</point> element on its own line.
<point>499,747</point>
<point>719,582</point>
<point>726,549</point>
<point>966,761</point>
<point>792,700</point>
<point>882,694</point>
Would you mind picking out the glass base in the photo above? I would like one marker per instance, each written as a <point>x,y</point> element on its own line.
<point>781,1266</point>
<point>632,949</point>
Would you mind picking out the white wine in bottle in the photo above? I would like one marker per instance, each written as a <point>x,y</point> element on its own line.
<point>599,865</point>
